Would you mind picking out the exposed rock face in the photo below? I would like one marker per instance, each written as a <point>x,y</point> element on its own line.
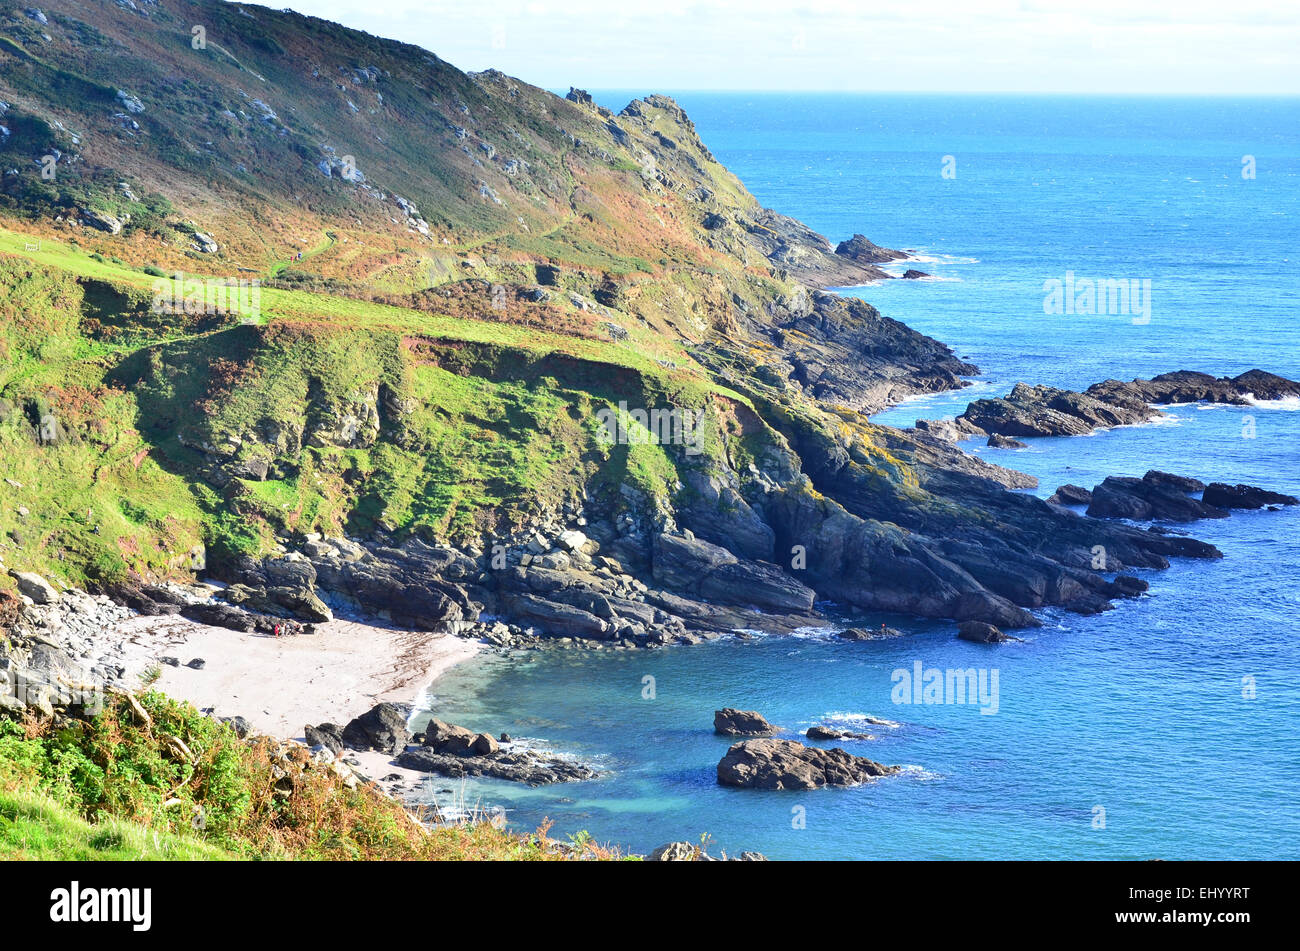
<point>843,351</point>
<point>382,728</point>
<point>912,274</point>
<point>731,722</point>
<point>694,565</point>
<point>1239,496</point>
<point>785,764</point>
<point>980,633</point>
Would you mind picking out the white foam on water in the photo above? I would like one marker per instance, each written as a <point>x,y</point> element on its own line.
<point>1288,403</point>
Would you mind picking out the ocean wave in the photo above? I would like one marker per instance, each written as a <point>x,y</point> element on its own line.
<point>840,716</point>
<point>1289,403</point>
<point>920,773</point>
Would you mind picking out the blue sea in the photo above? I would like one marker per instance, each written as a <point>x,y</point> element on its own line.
<point>1167,728</point>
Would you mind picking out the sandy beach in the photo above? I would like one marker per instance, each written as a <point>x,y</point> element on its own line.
<point>281,684</point>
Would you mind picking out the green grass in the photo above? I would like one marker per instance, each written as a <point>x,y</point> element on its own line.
<point>34,827</point>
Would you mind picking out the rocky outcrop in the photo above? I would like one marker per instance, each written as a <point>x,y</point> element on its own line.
<point>785,764</point>
<point>732,722</point>
<point>525,766</point>
<point>455,740</point>
<point>1189,386</point>
<point>1157,495</point>
<point>1047,411</point>
<point>693,565</point>
<point>1239,496</point>
<point>859,249</point>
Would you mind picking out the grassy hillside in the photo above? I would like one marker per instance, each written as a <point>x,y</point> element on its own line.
<point>161,781</point>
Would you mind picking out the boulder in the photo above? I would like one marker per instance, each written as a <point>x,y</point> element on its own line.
<point>448,738</point>
<point>732,722</point>
<point>785,764</point>
<point>327,735</point>
<point>382,727</point>
<point>35,587</point>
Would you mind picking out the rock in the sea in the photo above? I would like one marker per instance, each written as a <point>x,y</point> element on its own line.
<point>868,634</point>
<point>829,733</point>
<point>382,727</point>
<point>1226,496</point>
<point>521,767</point>
<point>998,441</point>
<point>1157,495</point>
<point>980,633</point>
<point>1047,411</point>
<point>1070,495</point>
<point>732,722</point>
<point>858,248</point>
<point>785,764</point>
<point>912,274</point>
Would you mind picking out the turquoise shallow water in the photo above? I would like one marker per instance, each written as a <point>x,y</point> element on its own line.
<point>1144,711</point>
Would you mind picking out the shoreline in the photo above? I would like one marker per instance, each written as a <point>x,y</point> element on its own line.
<point>279,685</point>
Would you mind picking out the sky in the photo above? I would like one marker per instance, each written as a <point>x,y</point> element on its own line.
<point>1223,47</point>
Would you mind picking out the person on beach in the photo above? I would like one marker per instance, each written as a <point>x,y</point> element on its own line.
<point>275,629</point>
